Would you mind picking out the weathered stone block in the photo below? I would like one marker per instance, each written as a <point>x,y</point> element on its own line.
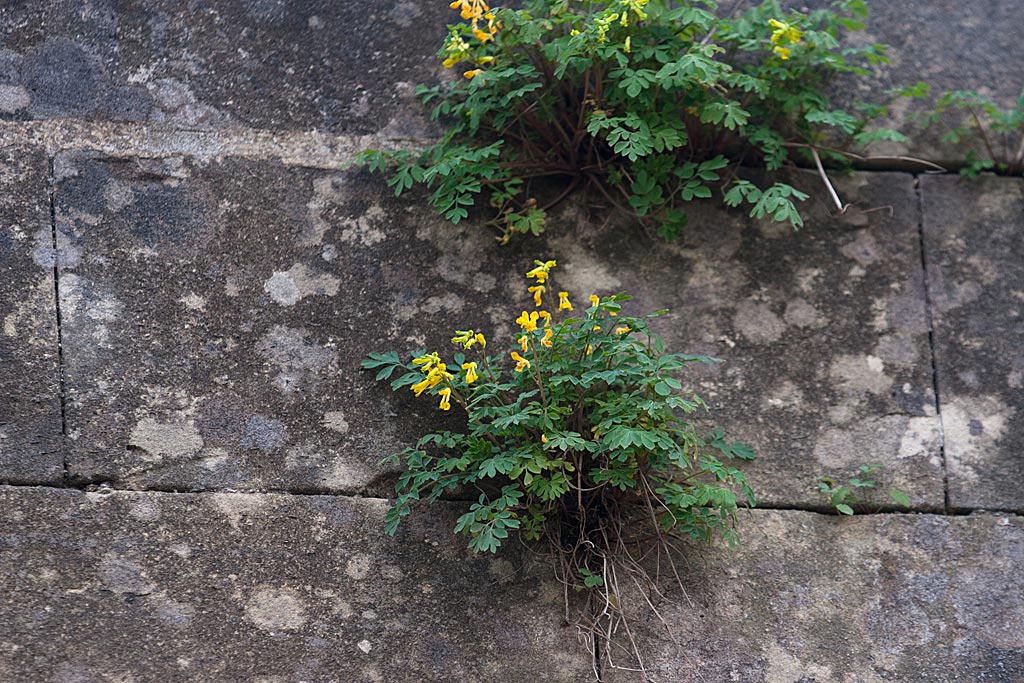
<point>30,420</point>
<point>974,246</point>
<point>268,588</point>
<point>343,67</point>
<point>875,598</point>
<point>215,318</point>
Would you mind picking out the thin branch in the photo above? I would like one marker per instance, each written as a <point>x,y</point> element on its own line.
<point>824,178</point>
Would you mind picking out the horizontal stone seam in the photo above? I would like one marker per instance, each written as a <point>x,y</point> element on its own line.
<point>812,509</point>
<point>107,490</point>
<point>294,148</point>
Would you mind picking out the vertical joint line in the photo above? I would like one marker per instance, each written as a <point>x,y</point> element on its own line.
<point>52,195</point>
<point>931,339</point>
<point>598,667</point>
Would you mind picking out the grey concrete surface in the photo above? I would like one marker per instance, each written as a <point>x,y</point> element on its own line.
<point>871,599</point>
<point>336,66</point>
<point>30,418</point>
<point>214,323</point>
<point>267,588</point>
<point>974,247</point>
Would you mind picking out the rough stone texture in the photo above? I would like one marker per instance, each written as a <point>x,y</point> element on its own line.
<point>871,599</point>
<point>214,319</point>
<point>823,331</point>
<point>267,588</point>
<point>30,421</point>
<point>974,248</point>
<point>338,66</point>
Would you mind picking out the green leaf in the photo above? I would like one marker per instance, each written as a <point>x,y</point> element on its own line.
<point>844,509</point>
<point>900,497</point>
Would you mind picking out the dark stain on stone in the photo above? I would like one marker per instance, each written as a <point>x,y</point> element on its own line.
<point>162,214</point>
<point>264,434</point>
<point>62,79</point>
<point>975,427</point>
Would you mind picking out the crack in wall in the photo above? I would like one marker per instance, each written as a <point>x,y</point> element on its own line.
<point>61,383</point>
<point>929,320</point>
<point>108,487</point>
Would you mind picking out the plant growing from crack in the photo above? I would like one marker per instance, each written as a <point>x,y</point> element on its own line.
<point>856,492</point>
<point>992,135</point>
<point>650,103</point>
<point>585,445</point>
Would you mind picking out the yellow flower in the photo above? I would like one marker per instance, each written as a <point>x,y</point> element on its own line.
<point>420,387</point>
<point>521,363</point>
<point>536,290</point>
<point>428,361</point>
<point>603,24</point>
<point>480,340</point>
<point>524,343</point>
<point>472,73</point>
<point>546,316</point>
<point>563,301</point>
<point>637,6</point>
<point>528,321</point>
<point>467,338</point>
<point>445,394</point>
<point>590,349</point>
<point>594,299</point>
<point>541,272</point>
<point>471,375</point>
<point>784,35</point>
<point>623,329</point>
<point>546,341</point>
<point>435,370</point>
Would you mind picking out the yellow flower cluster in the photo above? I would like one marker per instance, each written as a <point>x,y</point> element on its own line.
<point>468,338</point>
<point>529,321</point>
<point>457,49</point>
<point>540,274</point>
<point>783,36</point>
<point>635,6</point>
<point>436,372</point>
<point>475,11</point>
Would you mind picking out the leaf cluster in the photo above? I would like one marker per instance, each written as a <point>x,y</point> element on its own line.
<point>993,136</point>
<point>650,103</point>
<point>856,490</point>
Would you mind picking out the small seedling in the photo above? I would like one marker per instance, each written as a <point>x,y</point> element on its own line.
<point>857,491</point>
